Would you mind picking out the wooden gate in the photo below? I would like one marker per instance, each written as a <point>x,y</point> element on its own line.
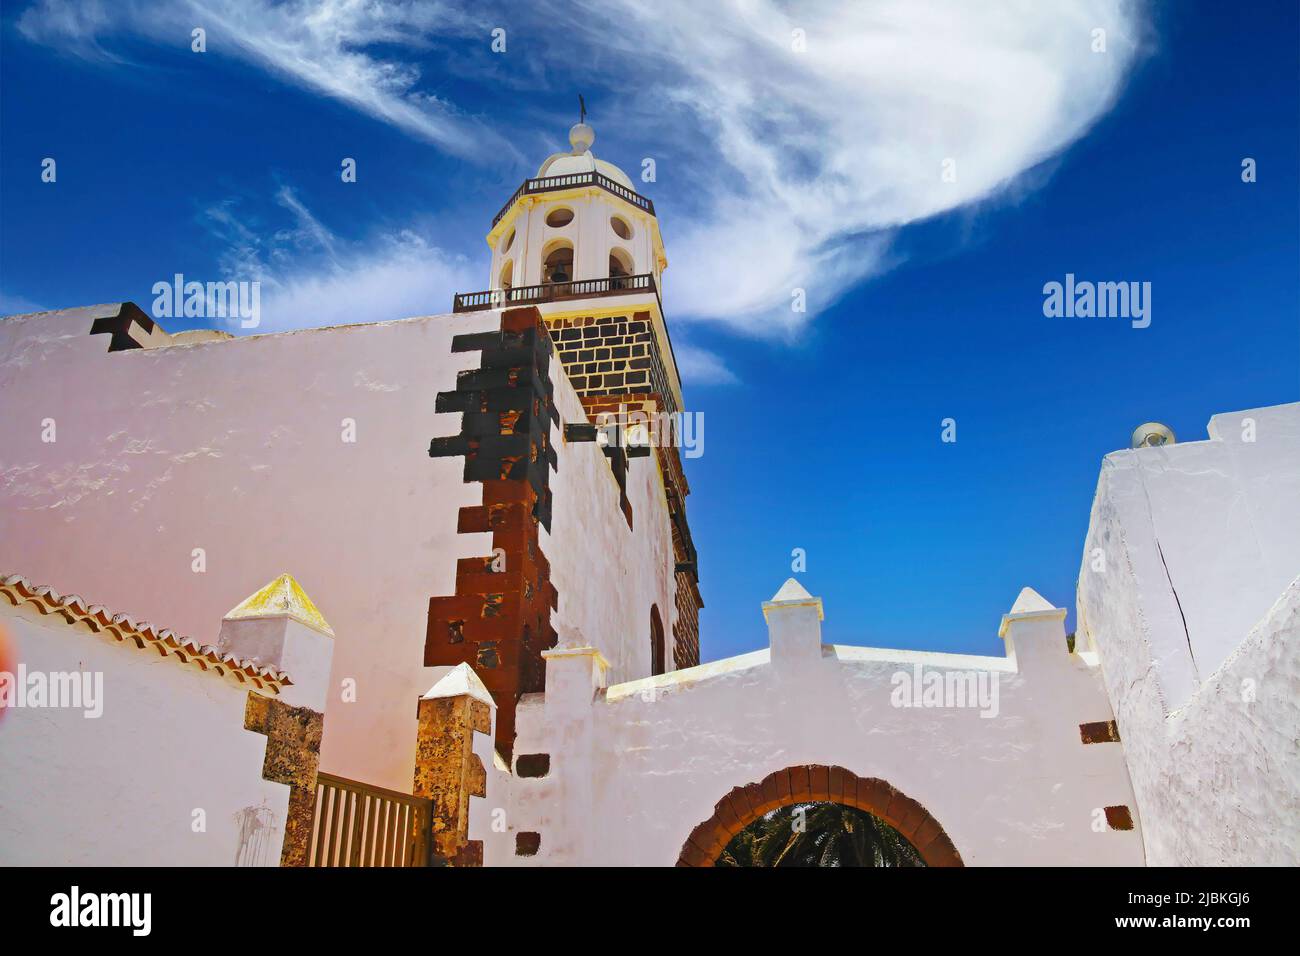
<point>360,825</point>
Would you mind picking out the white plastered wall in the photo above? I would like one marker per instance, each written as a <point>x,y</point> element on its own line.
<point>635,767</point>
<point>1194,618</point>
<point>122,789</point>
<point>608,575</point>
<point>235,446</point>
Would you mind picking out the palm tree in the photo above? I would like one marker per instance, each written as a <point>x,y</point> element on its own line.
<point>819,834</point>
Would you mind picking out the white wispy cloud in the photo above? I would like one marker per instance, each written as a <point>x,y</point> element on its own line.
<point>799,165</point>
<point>699,366</point>
<point>326,46</point>
<point>310,277</point>
<point>394,277</point>
<point>822,153</point>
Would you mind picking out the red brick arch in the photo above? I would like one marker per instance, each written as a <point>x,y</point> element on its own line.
<point>808,784</point>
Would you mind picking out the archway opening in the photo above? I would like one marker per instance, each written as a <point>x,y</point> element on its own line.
<point>620,267</point>
<point>657,656</point>
<point>808,785</point>
<point>818,834</point>
<point>557,264</point>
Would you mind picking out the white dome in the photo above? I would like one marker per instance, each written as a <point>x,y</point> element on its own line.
<point>582,160</point>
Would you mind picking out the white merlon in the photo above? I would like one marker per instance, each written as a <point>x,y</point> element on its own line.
<point>1030,606</point>
<point>794,624</point>
<point>279,624</point>
<point>1029,601</point>
<point>574,675</point>
<point>792,592</point>
<point>459,681</point>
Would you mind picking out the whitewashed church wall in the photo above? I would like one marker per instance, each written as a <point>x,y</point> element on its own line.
<point>236,447</point>
<point>1220,778</point>
<point>608,575</point>
<point>122,789</point>
<point>1199,540</point>
<point>637,768</point>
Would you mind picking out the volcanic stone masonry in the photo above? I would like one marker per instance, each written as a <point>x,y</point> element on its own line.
<point>499,622</point>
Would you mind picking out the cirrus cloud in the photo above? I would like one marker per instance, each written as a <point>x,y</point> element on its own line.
<point>811,133</point>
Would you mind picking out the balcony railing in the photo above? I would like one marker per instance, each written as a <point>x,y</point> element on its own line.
<point>553,292</point>
<point>572,181</point>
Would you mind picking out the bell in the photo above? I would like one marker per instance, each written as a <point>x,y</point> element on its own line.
<point>559,275</point>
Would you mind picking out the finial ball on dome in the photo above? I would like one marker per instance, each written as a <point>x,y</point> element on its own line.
<point>581,136</point>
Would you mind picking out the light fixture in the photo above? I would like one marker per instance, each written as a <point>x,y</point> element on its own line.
<point>1152,435</point>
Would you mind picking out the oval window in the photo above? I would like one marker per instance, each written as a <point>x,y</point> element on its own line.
<point>620,227</point>
<point>559,217</point>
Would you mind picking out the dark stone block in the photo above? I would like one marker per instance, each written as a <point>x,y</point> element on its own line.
<point>532,765</point>
<point>527,843</point>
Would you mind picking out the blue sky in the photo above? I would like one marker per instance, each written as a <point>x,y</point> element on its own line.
<point>776,169</point>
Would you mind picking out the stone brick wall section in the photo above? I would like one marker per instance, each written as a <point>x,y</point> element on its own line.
<point>686,629</point>
<point>448,772</point>
<point>815,783</point>
<point>1099,732</point>
<point>499,621</point>
<point>507,407</point>
<point>293,737</point>
<point>611,355</point>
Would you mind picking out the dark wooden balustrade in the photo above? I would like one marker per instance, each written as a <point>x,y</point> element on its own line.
<point>573,181</point>
<point>553,292</point>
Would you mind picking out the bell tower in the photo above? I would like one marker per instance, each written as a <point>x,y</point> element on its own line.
<point>565,232</point>
<point>582,245</point>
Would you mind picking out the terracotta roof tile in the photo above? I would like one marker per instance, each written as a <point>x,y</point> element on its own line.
<point>122,627</point>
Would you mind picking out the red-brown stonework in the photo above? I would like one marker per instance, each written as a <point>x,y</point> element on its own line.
<point>292,757</point>
<point>1099,732</point>
<point>686,629</point>
<point>1119,818</point>
<point>499,618</point>
<point>820,784</point>
<point>448,772</point>
<point>527,843</point>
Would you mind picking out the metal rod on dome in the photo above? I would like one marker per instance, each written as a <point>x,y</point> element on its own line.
<point>582,109</point>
